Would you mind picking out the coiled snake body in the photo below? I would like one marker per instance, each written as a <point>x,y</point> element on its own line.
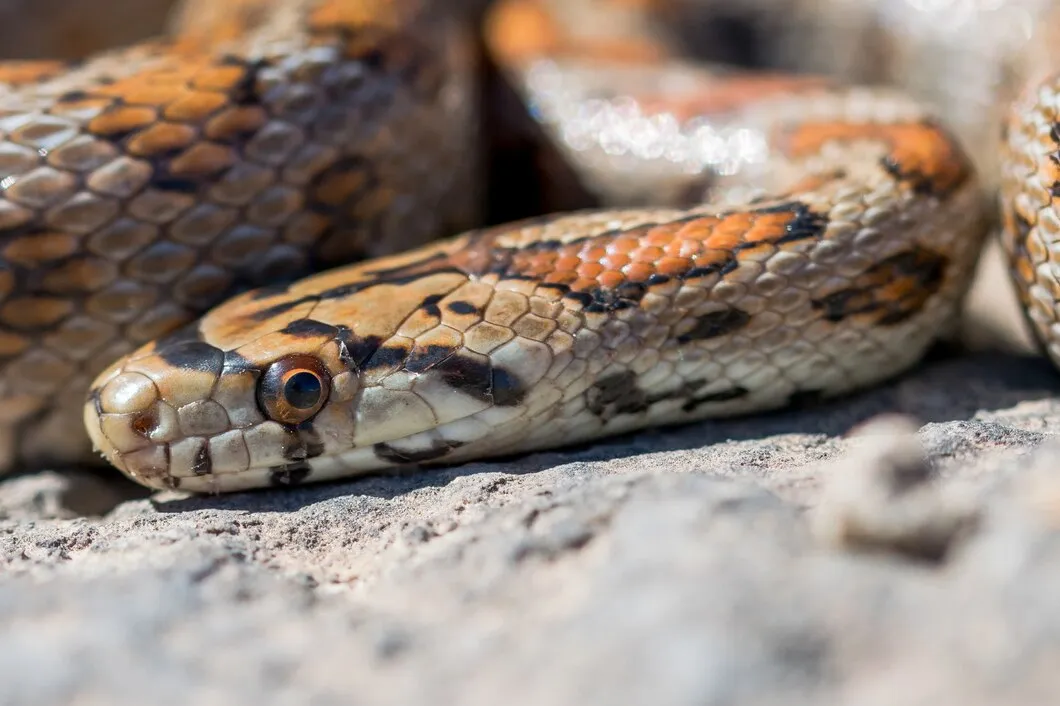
<point>831,244</point>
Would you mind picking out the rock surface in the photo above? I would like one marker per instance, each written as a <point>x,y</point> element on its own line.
<point>832,555</point>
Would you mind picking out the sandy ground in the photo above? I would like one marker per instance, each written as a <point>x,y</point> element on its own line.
<point>831,555</point>
<point>900,546</point>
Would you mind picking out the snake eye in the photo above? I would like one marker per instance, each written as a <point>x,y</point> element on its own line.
<point>293,389</point>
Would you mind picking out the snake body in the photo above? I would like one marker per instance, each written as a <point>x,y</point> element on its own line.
<point>831,262</point>
<point>144,186</point>
<point>770,239</point>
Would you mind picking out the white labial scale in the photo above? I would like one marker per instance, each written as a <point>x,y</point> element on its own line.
<point>383,415</point>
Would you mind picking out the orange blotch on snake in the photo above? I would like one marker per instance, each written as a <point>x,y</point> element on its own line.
<point>638,272</point>
<point>520,30</point>
<point>194,106</point>
<point>143,89</point>
<point>32,250</point>
<point>611,279</point>
<point>122,119</point>
<point>561,277</point>
<point>34,312</point>
<point>336,187</point>
<point>218,78</point>
<point>672,266</point>
<point>567,262</point>
<point>235,123</point>
<point>160,138</point>
<point>84,274</point>
<point>12,344</point>
<point>201,160</point>
<point>590,269</point>
<point>7,280</point>
<point>615,262</point>
<point>342,15</point>
<point>17,73</point>
<point>920,152</point>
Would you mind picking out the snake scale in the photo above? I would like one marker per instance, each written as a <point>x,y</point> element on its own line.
<point>219,250</point>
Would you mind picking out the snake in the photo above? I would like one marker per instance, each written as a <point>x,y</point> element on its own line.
<point>250,254</point>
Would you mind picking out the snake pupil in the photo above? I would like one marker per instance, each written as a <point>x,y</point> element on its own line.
<point>302,390</point>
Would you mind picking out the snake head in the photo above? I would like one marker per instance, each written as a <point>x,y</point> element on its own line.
<point>184,412</point>
<point>311,382</point>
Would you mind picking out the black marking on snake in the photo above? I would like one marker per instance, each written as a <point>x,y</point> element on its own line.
<point>462,307</point>
<point>303,443</point>
<point>410,59</point>
<point>438,449</point>
<point>94,398</point>
<point>309,328</point>
<point>23,229</point>
<point>355,350</point>
<point>245,91</point>
<point>310,445</point>
<point>203,464</point>
<point>806,225</point>
<point>922,183</point>
<point>482,381</point>
<point>430,304</point>
<point>372,59</point>
<point>1054,132</point>
<point>74,96</point>
<point>387,272</point>
<point>616,394</point>
<point>722,396</point>
<point>189,333</point>
<point>717,268</point>
<point>716,323</point>
<point>423,358</point>
<point>926,270</point>
<point>601,300</point>
<point>507,389</point>
<point>270,290</point>
<point>159,180</point>
<point>289,474</point>
<point>235,361</point>
<point>619,394</point>
<point>625,296</point>
<point>197,356</point>
<point>386,357</point>
<point>1054,190</point>
<point>349,289</point>
<point>1023,226</point>
<point>470,376</point>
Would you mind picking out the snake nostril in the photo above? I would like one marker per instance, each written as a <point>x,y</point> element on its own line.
<point>145,423</point>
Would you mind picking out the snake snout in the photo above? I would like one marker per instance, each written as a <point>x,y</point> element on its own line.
<point>126,420</point>
<point>184,413</point>
<point>157,413</point>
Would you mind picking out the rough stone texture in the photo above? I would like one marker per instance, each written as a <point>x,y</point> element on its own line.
<point>777,560</point>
